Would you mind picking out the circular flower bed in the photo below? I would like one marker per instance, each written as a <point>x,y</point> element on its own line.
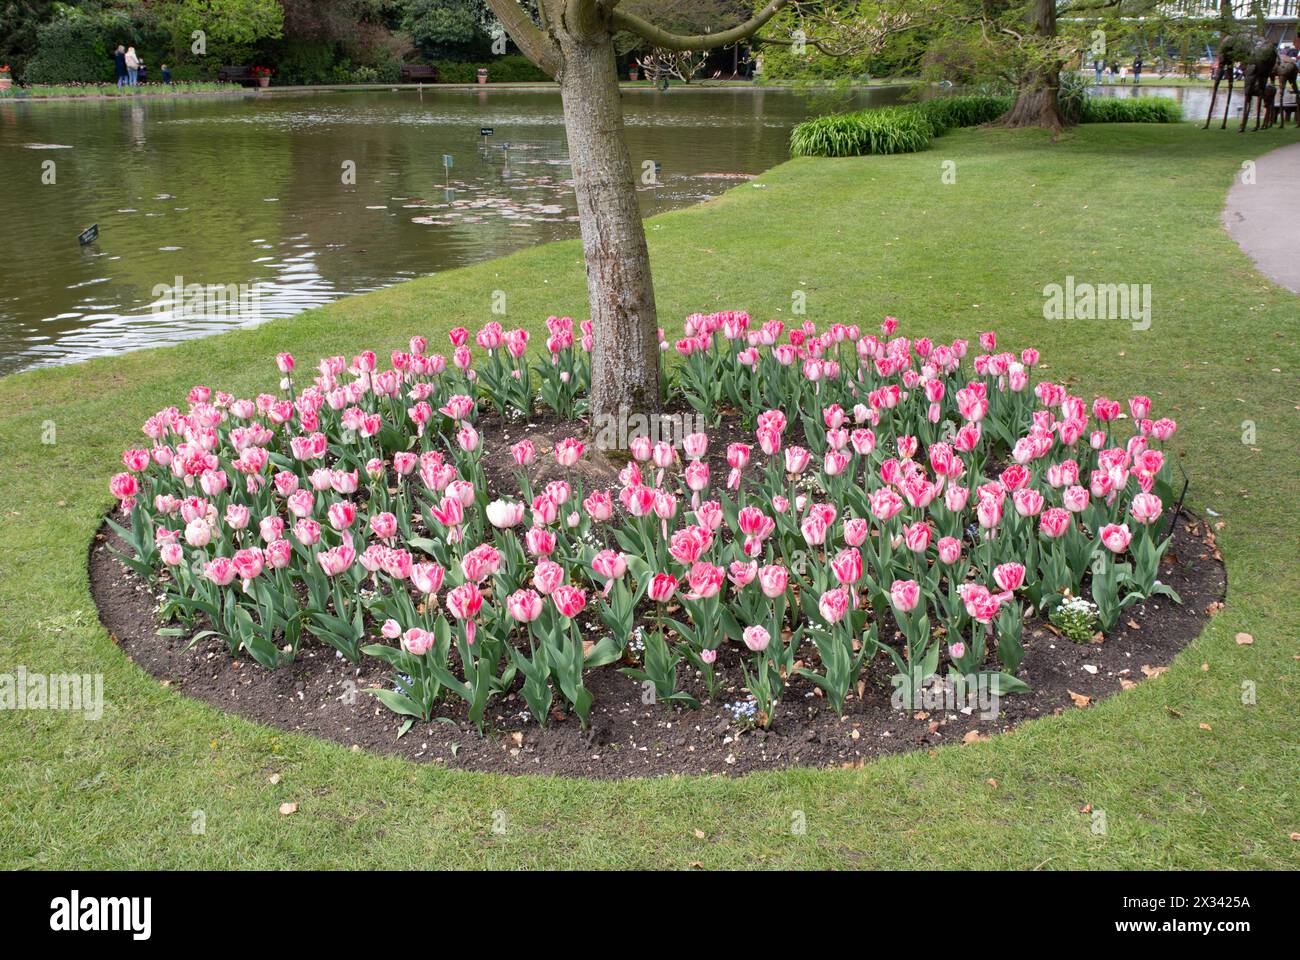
<point>829,514</point>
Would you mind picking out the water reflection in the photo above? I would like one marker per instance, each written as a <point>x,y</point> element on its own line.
<point>257,191</point>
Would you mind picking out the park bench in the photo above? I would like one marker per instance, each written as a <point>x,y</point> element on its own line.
<point>240,75</point>
<point>419,73</point>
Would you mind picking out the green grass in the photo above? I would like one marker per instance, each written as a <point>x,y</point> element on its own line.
<point>861,237</point>
<point>41,91</point>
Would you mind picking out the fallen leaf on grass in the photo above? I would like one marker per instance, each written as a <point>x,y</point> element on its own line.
<point>991,782</point>
<point>1079,699</point>
<point>699,834</point>
<point>1204,726</point>
<point>1244,639</point>
<point>1295,836</point>
<point>287,808</point>
<point>973,736</point>
<point>1151,671</point>
<point>274,778</point>
<point>1172,711</point>
<point>1126,684</point>
<point>1086,808</point>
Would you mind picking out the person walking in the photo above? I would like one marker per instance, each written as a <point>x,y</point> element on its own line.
<point>1137,69</point>
<point>119,65</point>
<point>1098,67</point>
<point>132,67</point>
<point>166,74</point>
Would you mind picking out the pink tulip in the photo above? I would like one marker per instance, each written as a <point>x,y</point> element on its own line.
<point>1116,537</point>
<point>198,533</point>
<point>568,451</point>
<point>307,532</point>
<point>124,486</point>
<point>342,514</point>
<point>1146,508</point>
<point>695,445</point>
<point>524,453</point>
<point>610,564</point>
<point>949,550</point>
<point>773,579</point>
<point>904,595</point>
<point>569,600</point>
<point>417,642</point>
<point>599,505</point>
<point>918,536</point>
<point>481,562</point>
<point>756,638</point>
<point>337,559</point>
<point>1009,576</point>
<point>847,566</point>
<point>524,606</point>
<point>464,603</point>
<point>248,563</point>
<point>662,587</point>
<point>547,577</point>
<point>705,580</point>
<point>540,542</point>
<point>383,525</point>
<point>834,604</point>
<point>1054,522</point>
<point>427,577</point>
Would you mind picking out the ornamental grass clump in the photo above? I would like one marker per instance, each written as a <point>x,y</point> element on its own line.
<point>881,495</point>
<point>1131,110</point>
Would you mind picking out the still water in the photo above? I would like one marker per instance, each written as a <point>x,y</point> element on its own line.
<point>290,201</point>
<point>1195,101</point>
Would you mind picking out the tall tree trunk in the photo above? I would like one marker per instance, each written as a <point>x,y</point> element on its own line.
<point>1038,103</point>
<point>625,359</point>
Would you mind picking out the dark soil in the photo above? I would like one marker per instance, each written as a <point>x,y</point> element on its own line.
<point>323,695</point>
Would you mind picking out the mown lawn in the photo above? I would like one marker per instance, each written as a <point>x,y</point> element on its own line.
<point>863,238</point>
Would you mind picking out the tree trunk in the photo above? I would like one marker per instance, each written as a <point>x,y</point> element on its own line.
<point>625,358</point>
<point>1037,101</point>
<point>1037,104</point>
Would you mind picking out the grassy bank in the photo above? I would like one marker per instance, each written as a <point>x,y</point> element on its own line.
<point>861,237</point>
<point>110,91</point>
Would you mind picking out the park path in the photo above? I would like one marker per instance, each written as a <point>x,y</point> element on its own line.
<point>1261,215</point>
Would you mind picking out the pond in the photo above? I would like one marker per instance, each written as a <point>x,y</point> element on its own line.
<point>1195,101</point>
<point>221,212</point>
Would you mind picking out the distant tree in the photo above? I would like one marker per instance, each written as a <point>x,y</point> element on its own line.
<point>19,21</point>
<point>445,29</point>
<point>234,22</point>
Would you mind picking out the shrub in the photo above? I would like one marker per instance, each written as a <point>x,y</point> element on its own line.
<point>902,129</point>
<point>512,69</point>
<point>879,131</point>
<point>70,50</point>
<point>1131,110</point>
<point>966,110</point>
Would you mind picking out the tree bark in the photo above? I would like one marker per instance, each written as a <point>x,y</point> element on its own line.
<point>625,357</point>
<point>1037,105</point>
<point>1037,101</point>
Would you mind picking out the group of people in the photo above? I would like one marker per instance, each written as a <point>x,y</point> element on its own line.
<point>131,69</point>
<point>1115,71</point>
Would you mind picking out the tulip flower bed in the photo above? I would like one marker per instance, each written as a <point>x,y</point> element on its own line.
<point>861,517</point>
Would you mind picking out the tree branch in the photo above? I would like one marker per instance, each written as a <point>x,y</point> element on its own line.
<point>702,41</point>
<point>534,44</point>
